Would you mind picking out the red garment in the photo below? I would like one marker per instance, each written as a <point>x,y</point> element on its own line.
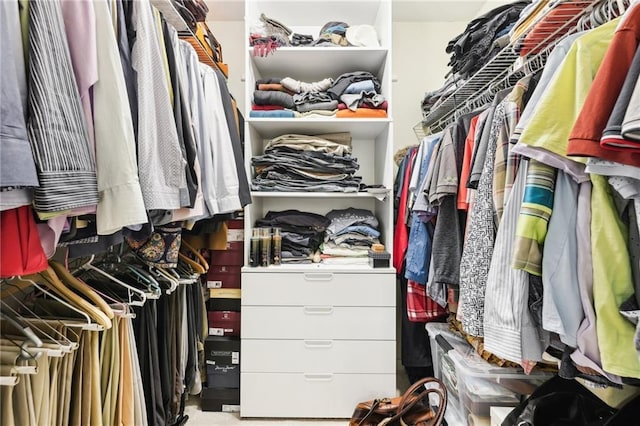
<point>420,307</point>
<point>266,107</point>
<point>401,234</point>
<point>463,203</point>
<point>546,30</point>
<point>20,249</point>
<point>607,84</point>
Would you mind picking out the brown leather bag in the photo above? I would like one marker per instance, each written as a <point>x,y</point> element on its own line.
<point>410,409</point>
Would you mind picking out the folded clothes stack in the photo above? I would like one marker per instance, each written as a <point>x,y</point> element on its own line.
<point>351,95</point>
<point>475,46</point>
<point>307,163</point>
<point>349,236</point>
<point>302,233</point>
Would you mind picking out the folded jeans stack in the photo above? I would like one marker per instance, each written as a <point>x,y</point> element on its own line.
<point>359,96</point>
<point>307,163</point>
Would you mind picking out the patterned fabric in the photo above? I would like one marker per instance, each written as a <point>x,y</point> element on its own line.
<point>478,249</point>
<point>161,248</point>
<point>537,206</point>
<point>498,175</point>
<point>506,162</point>
<point>420,307</point>
<point>509,329</point>
<point>57,130</point>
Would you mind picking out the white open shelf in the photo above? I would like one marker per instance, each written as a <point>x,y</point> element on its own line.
<point>311,267</point>
<point>275,194</point>
<point>360,128</point>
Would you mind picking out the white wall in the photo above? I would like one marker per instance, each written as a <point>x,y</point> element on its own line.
<point>419,65</point>
<point>230,34</point>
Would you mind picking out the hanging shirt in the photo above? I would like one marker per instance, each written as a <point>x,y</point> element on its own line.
<point>598,106</point>
<point>225,175</point>
<point>80,27</point>
<point>161,167</point>
<point>66,169</point>
<point>560,104</point>
<point>121,203</point>
<point>478,249</point>
<point>612,284</point>
<point>17,168</point>
<point>509,329</point>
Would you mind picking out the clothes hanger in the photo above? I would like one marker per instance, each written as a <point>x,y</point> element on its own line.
<point>35,321</point>
<point>52,279</point>
<point>67,277</point>
<point>88,266</point>
<point>203,262</point>
<point>165,276</point>
<point>88,325</point>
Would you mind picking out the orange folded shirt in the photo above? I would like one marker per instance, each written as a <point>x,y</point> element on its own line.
<point>362,113</point>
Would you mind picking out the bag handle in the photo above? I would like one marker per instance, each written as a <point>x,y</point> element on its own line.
<point>374,405</point>
<point>409,399</point>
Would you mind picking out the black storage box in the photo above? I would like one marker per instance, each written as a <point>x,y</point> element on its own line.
<point>379,259</point>
<point>227,400</point>
<point>222,350</point>
<point>223,376</point>
<point>224,304</point>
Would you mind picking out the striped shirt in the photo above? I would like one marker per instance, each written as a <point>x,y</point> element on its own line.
<point>56,126</point>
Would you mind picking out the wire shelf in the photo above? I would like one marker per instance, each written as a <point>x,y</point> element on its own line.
<point>509,65</point>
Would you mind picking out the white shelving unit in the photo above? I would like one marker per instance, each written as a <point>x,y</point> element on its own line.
<point>321,337</point>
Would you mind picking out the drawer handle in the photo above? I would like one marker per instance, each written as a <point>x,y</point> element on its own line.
<point>326,276</point>
<point>318,310</point>
<point>318,377</point>
<point>318,344</point>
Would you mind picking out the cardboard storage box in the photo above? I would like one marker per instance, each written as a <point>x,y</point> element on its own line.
<point>232,256</point>
<point>215,399</point>
<point>223,376</point>
<point>222,350</point>
<point>224,323</point>
<point>224,276</point>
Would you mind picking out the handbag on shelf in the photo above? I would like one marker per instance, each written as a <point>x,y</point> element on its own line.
<point>410,409</point>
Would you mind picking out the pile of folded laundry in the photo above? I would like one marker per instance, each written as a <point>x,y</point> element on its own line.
<point>307,163</point>
<point>351,95</point>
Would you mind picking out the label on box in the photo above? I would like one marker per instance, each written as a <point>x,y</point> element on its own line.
<point>235,357</point>
<point>214,284</point>
<point>228,408</point>
<point>216,332</point>
<point>210,362</point>
<point>235,235</point>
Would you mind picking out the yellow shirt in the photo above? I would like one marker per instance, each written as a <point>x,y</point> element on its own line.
<point>559,107</point>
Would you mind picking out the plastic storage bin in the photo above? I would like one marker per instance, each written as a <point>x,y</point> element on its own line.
<point>440,346</point>
<point>481,385</point>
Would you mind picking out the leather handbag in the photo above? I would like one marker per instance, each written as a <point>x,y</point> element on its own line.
<point>410,409</point>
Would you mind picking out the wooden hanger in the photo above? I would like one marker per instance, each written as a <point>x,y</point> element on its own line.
<point>52,281</point>
<point>65,276</point>
<point>203,262</point>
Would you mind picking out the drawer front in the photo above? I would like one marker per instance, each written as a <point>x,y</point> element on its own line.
<point>318,288</point>
<point>318,322</point>
<point>310,395</point>
<point>319,356</point>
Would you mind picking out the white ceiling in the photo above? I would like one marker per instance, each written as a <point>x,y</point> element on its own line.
<point>403,10</point>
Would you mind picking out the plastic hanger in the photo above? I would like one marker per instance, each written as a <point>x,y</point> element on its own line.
<point>65,276</point>
<point>166,276</point>
<point>88,266</point>
<point>35,321</point>
<point>89,325</point>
